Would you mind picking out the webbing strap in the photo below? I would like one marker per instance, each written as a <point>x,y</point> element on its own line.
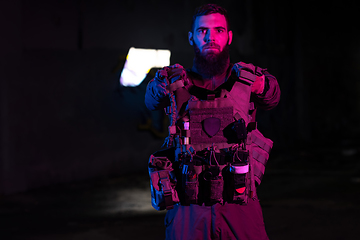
<point>246,72</point>
<point>186,133</point>
<point>250,66</point>
<point>259,157</point>
<point>166,187</point>
<point>214,104</point>
<point>175,85</point>
<point>256,70</point>
<point>258,141</point>
<point>258,174</point>
<point>247,75</point>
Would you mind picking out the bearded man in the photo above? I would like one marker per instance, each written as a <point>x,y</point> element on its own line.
<point>215,157</point>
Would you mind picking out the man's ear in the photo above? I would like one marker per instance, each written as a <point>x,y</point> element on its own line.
<point>191,39</point>
<point>230,34</point>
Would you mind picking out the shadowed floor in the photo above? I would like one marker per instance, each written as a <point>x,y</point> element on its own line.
<point>300,200</point>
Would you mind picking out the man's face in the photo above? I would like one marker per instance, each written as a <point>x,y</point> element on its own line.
<point>210,34</point>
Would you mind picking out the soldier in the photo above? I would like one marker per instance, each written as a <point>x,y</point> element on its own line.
<point>215,155</point>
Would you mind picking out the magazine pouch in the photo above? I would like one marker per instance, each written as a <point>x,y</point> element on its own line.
<point>162,183</point>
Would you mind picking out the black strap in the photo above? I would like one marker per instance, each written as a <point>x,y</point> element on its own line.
<point>166,188</point>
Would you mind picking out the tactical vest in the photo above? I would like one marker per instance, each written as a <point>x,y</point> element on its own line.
<point>217,154</point>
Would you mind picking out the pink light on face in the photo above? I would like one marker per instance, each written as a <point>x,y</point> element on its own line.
<point>210,33</point>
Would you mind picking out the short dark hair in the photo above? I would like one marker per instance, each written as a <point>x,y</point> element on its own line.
<point>208,9</point>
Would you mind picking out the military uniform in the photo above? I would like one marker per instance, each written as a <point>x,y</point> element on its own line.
<point>205,118</point>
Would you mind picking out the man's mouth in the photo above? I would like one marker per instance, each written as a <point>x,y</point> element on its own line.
<point>211,47</point>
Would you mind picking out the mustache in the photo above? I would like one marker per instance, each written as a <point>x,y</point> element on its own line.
<point>211,45</point>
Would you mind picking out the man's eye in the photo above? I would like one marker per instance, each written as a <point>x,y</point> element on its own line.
<point>220,30</point>
<point>202,30</point>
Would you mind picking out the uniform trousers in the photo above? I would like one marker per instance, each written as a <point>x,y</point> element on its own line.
<point>220,222</point>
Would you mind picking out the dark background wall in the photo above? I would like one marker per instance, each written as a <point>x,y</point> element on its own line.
<point>64,116</point>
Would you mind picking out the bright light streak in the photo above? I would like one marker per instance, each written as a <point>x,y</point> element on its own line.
<point>139,62</point>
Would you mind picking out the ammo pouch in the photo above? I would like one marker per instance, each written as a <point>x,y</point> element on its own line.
<point>261,147</point>
<point>162,183</point>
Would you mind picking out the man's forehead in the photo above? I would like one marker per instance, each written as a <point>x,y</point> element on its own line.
<point>211,21</point>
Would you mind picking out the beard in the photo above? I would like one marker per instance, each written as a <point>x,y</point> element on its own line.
<point>211,64</point>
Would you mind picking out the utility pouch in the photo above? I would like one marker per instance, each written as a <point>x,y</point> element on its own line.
<point>239,174</point>
<point>216,187</point>
<point>261,147</point>
<point>190,174</point>
<point>212,185</point>
<point>162,183</point>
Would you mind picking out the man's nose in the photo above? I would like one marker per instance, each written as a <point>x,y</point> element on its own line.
<point>209,37</point>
